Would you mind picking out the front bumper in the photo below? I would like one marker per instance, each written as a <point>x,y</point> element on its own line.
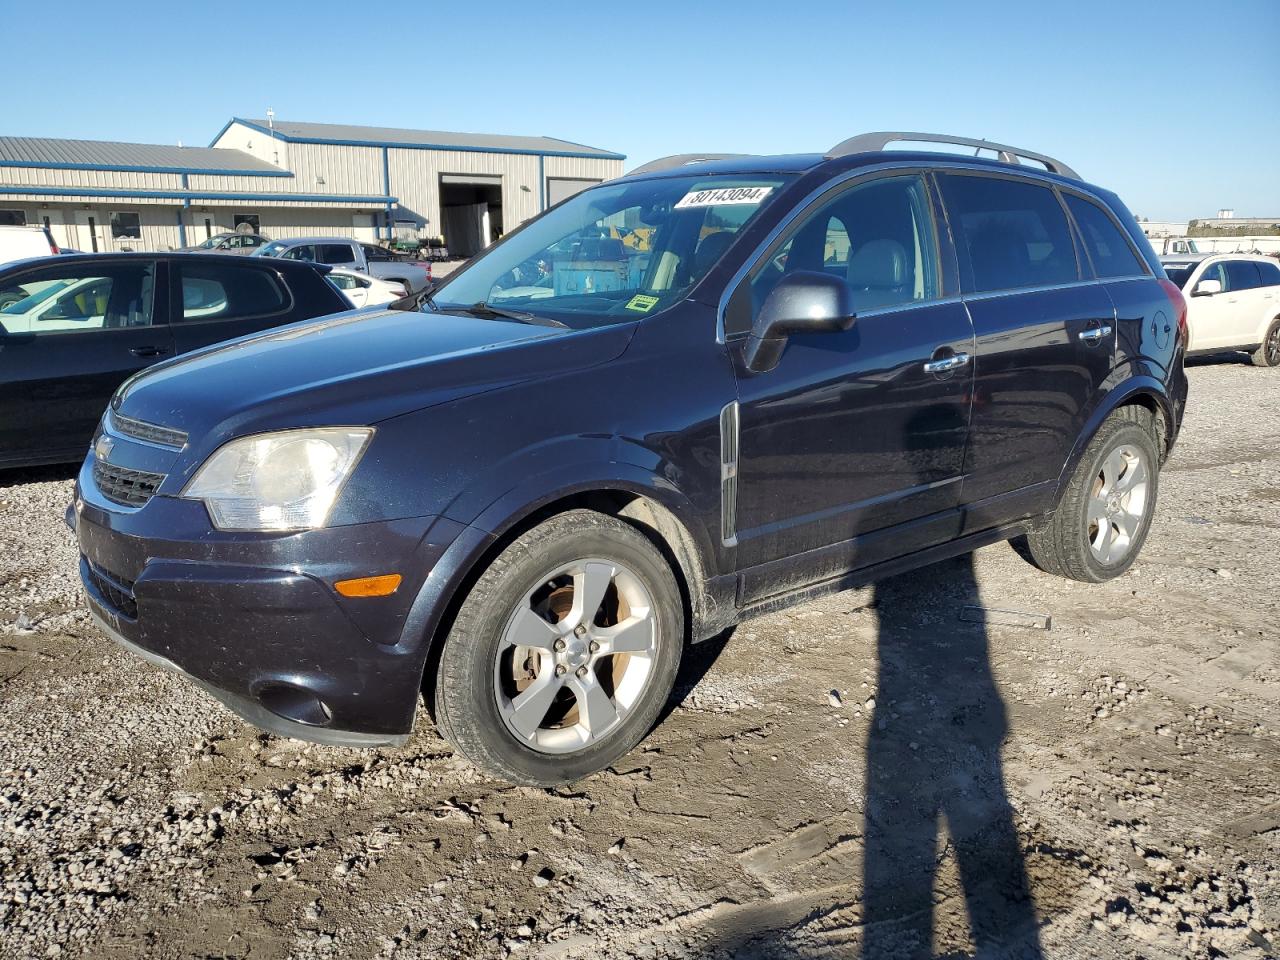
<point>254,619</point>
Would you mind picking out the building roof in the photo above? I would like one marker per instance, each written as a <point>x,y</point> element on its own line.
<point>349,134</point>
<point>141,157</point>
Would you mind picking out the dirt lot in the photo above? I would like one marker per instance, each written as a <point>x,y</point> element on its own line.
<point>1107,788</point>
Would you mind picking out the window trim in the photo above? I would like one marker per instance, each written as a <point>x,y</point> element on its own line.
<point>1084,246</point>
<point>851,180</point>
<point>1077,241</point>
<point>933,167</point>
<point>176,305</point>
<point>159,315</point>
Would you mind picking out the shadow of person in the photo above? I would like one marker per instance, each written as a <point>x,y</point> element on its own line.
<point>933,761</point>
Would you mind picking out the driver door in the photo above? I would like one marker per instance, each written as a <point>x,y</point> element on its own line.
<point>79,332</point>
<point>851,450</point>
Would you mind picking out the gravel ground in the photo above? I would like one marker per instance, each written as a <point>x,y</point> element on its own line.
<point>864,774</point>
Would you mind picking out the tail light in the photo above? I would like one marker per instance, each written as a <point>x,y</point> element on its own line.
<point>1179,304</point>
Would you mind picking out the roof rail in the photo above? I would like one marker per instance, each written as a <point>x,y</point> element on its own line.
<point>681,160</point>
<point>874,142</point>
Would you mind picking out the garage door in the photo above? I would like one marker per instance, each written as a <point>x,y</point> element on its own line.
<point>560,188</point>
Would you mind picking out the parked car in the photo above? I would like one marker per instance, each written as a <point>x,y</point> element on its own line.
<point>522,513</point>
<point>1233,303</point>
<point>73,328</point>
<point>365,291</point>
<point>20,243</point>
<point>352,255</point>
<point>239,244</point>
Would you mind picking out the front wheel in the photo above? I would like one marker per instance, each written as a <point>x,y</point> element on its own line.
<point>564,652</point>
<point>1268,353</point>
<point>1103,518</point>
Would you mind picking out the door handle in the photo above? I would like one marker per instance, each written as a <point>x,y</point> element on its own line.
<point>149,351</point>
<point>947,364</point>
<point>1094,334</point>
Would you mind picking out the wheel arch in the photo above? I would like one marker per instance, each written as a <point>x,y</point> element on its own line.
<point>654,515</point>
<point>1144,391</point>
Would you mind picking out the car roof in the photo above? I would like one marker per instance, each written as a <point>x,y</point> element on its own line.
<point>294,241</point>
<point>805,162</point>
<point>1169,259</point>
<point>273,263</point>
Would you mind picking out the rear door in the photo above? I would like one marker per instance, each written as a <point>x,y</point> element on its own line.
<point>219,300</point>
<point>73,331</point>
<point>1245,300</point>
<point>1045,340</point>
<point>340,255</point>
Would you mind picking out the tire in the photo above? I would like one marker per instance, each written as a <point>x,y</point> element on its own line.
<point>1268,352</point>
<point>1094,535</point>
<point>530,592</point>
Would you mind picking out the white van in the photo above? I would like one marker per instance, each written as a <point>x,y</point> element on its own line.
<point>20,243</point>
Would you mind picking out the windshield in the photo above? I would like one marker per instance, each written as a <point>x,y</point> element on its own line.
<point>273,249</point>
<point>1179,273</point>
<point>36,294</point>
<point>614,253</point>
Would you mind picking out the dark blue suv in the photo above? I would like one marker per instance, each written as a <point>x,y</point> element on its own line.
<point>710,389</point>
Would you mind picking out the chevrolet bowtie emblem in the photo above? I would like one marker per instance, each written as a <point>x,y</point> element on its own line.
<point>102,449</point>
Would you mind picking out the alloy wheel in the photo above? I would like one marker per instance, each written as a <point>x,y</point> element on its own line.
<point>1118,503</point>
<point>575,656</point>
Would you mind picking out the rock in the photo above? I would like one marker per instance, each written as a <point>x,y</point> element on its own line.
<point>617,847</point>
<point>833,698</point>
<point>1224,573</point>
<point>543,877</point>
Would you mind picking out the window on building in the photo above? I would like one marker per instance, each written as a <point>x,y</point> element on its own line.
<point>1010,234</point>
<point>249,221</point>
<point>126,225</point>
<point>229,291</point>
<point>1108,249</point>
<point>13,218</point>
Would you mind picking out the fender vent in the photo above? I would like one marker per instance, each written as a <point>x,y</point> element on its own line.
<point>729,474</point>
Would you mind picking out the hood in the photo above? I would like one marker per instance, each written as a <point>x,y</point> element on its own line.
<point>354,368</point>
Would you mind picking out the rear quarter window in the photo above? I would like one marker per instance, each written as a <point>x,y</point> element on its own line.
<point>1010,234</point>
<point>225,292</point>
<point>1108,250</point>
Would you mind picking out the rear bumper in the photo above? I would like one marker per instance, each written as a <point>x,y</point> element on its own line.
<point>254,619</point>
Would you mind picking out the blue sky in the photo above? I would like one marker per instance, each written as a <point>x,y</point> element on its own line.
<point>1174,104</point>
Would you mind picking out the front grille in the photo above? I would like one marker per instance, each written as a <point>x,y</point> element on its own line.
<point>129,488</point>
<point>150,432</point>
<point>117,592</point>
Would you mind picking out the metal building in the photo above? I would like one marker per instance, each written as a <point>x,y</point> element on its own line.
<point>289,179</point>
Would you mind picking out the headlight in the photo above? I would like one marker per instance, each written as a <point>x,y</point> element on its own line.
<point>278,481</point>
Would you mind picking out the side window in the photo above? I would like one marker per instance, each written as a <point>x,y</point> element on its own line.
<point>61,300</point>
<point>1108,249</point>
<point>227,292</point>
<point>303,252</point>
<point>1242,275</point>
<point>878,236</point>
<point>336,253</point>
<point>375,253</point>
<point>1270,273</point>
<point>1010,234</point>
<point>1214,272</point>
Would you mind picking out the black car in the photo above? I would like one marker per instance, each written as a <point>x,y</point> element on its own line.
<point>736,383</point>
<point>73,328</point>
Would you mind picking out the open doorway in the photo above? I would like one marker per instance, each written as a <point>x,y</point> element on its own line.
<point>470,212</point>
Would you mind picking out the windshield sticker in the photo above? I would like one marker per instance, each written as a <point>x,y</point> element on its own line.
<point>642,303</point>
<point>724,196</point>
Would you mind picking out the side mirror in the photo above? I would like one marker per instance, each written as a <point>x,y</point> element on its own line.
<point>803,302</point>
<point>1207,288</point>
